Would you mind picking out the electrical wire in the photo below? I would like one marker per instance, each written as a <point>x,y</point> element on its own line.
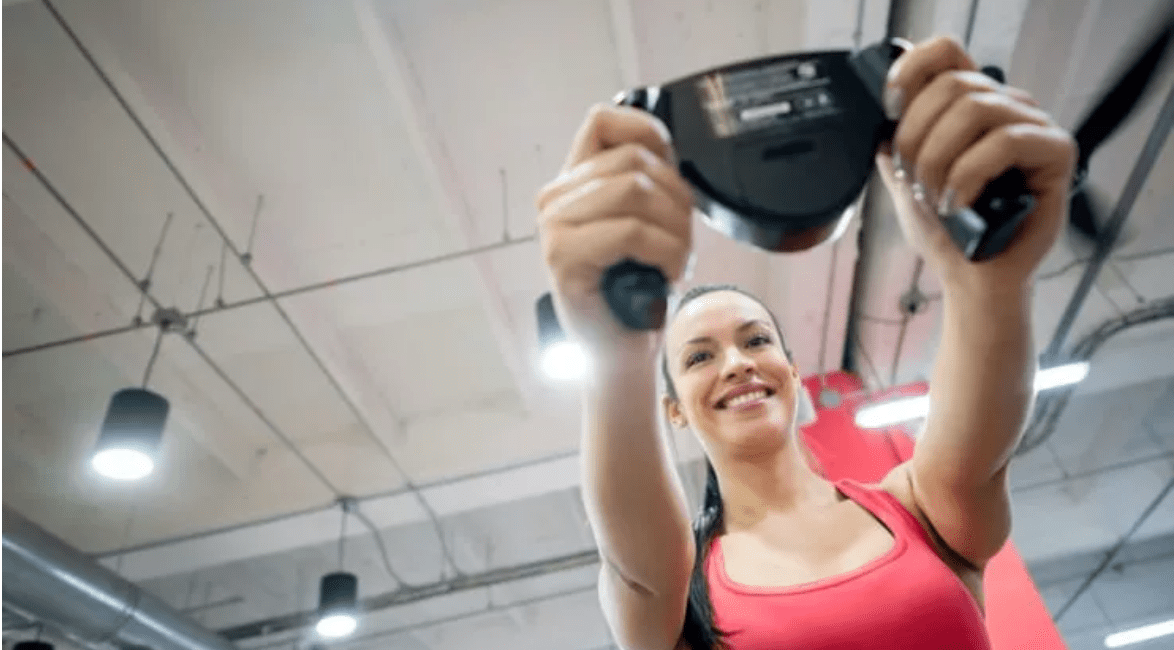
<point>379,544</point>
<point>154,356</point>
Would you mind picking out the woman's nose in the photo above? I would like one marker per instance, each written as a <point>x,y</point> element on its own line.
<point>737,363</point>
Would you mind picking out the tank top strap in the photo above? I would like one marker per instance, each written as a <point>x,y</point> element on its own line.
<point>885,507</point>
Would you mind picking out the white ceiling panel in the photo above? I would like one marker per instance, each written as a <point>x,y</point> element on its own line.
<point>80,139</point>
<point>50,295</point>
<point>1037,466</point>
<point>1097,430</point>
<point>254,346</point>
<point>480,81</point>
<point>1093,512</point>
<point>279,94</point>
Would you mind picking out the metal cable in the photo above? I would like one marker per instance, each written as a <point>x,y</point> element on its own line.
<point>1113,552</point>
<point>316,286</point>
<point>117,261</point>
<point>85,226</point>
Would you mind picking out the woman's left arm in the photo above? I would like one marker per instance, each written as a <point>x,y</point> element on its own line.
<point>958,130</point>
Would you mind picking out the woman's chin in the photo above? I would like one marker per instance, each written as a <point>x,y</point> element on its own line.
<point>756,432</point>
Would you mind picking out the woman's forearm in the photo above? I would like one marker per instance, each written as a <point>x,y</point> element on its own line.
<point>631,489</point>
<point>981,388</point>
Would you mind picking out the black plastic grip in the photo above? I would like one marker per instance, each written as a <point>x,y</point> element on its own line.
<point>636,293</point>
<point>985,229</point>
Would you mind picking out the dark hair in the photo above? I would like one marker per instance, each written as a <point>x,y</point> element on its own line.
<point>700,631</point>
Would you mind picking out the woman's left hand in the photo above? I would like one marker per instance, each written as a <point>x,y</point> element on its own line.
<point>957,130</point>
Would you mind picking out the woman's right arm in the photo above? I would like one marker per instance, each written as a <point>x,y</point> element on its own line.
<point>636,506</point>
<point>620,198</point>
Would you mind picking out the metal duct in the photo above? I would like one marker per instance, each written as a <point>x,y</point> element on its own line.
<point>49,580</point>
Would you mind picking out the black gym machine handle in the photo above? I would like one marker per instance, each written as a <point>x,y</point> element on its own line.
<point>637,293</point>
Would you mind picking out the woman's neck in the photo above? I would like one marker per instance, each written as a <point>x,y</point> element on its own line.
<point>778,482</point>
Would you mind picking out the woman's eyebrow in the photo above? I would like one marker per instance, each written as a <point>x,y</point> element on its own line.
<point>744,326</point>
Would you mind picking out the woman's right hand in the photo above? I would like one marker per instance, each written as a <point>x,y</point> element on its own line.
<point>618,197</point>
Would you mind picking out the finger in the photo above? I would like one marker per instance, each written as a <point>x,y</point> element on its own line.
<point>603,243</point>
<point>970,118</point>
<point>1045,154</point>
<point>914,70</point>
<point>630,193</point>
<point>1021,95</point>
<point>929,105</point>
<point>888,172</point>
<point>628,157</point>
<point>609,126</point>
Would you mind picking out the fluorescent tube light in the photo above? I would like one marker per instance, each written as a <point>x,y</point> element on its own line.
<point>1139,634</point>
<point>876,416</point>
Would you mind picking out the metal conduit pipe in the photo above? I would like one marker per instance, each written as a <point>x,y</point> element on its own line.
<point>1051,406</point>
<point>53,582</point>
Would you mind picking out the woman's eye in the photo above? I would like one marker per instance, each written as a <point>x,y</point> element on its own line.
<point>760,339</point>
<point>696,357</point>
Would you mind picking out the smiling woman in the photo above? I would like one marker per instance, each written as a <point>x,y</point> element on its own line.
<point>781,556</point>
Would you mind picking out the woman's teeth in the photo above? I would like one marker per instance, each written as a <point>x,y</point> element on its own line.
<point>746,397</point>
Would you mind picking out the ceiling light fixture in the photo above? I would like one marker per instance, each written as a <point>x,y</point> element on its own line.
<point>338,593</point>
<point>1139,634</point>
<point>337,596</point>
<point>561,359</point>
<point>132,430</point>
<point>888,413</point>
<point>34,644</point>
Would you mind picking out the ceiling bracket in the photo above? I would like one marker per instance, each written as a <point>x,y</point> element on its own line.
<point>170,319</point>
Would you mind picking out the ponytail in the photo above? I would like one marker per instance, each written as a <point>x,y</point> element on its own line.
<point>700,630</point>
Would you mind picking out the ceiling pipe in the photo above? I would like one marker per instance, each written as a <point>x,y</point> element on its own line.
<point>1050,407</point>
<point>303,620</point>
<point>56,584</point>
<point>1133,186</point>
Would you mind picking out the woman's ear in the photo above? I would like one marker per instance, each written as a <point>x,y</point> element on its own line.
<point>672,411</point>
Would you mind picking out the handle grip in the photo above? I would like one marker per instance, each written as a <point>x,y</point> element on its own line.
<point>636,293</point>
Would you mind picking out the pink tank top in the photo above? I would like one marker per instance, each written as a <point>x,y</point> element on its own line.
<point>907,598</point>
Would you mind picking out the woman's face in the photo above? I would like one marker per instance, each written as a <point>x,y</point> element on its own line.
<point>735,387</point>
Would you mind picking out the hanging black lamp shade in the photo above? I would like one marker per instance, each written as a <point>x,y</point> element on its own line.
<point>337,604</point>
<point>32,645</point>
<point>131,433</point>
<point>549,330</point>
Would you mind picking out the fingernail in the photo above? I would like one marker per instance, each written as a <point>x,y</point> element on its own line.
<point>946,205</point>
<point>644,181</point>
<point>690,265</point>
<point>578,170</point>
<point>893,99</point>
<point>649,158</point>
<point>898,166</point>
<point>919,192</point>
<point>662,130</point>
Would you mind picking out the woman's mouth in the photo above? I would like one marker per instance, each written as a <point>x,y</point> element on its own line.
<point>746,400</point>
